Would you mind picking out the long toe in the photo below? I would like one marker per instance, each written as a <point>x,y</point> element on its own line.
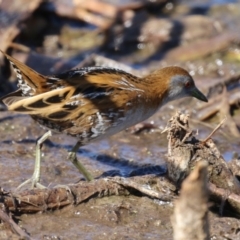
<point>31,183</point>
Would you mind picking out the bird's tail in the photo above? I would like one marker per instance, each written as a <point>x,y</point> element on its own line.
<point>30,82</point>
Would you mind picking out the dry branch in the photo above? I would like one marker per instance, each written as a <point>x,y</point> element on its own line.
<point>185,150</point>
<point>221,195</point>
<point>41,200</point>
<point>14,227</point>
<point>190,219</point>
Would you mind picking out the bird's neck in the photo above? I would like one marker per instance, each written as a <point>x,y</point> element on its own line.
<point>156,89</point>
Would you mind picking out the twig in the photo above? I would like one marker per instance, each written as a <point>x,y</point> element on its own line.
<point>15,228</point>
<point>214,130</point>
<point>208,125</point>
<point>141,188</point>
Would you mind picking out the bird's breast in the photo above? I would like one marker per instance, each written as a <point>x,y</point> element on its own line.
<point>103,124</point>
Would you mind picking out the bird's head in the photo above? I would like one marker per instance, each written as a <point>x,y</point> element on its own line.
<point>178,84</point>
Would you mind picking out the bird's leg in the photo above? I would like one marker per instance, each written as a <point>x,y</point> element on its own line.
<point>72,156</point>
<point>36,174</point>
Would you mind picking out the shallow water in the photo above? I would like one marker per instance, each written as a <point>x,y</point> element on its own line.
<point>114,217</point>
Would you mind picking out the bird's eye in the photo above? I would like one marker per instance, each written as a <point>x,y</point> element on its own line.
<point>188,84</point>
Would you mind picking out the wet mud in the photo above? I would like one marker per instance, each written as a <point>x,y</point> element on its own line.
<point>210,52</point>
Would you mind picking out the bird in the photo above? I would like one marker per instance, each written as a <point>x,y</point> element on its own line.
<point>93,103</point>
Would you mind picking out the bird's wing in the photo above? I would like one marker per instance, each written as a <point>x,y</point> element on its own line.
<point>91,94</point>
<point>76,111</point>
<point>75,96</point>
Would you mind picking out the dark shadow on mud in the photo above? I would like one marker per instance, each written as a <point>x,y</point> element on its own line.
<point>12,117</point>
<point>126,168</point>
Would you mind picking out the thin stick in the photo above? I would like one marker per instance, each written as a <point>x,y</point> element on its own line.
<point>15,228</point>
<point>214,130</point>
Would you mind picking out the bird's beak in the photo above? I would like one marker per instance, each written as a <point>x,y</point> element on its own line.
<point>199,95</point>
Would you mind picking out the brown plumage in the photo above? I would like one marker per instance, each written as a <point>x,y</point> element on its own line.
<point>95,102</point>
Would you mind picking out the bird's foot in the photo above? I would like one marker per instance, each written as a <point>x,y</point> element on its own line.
<point>33,182</point>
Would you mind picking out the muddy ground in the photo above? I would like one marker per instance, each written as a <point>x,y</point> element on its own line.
<point>134,216</point>
<point>113,217</point>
